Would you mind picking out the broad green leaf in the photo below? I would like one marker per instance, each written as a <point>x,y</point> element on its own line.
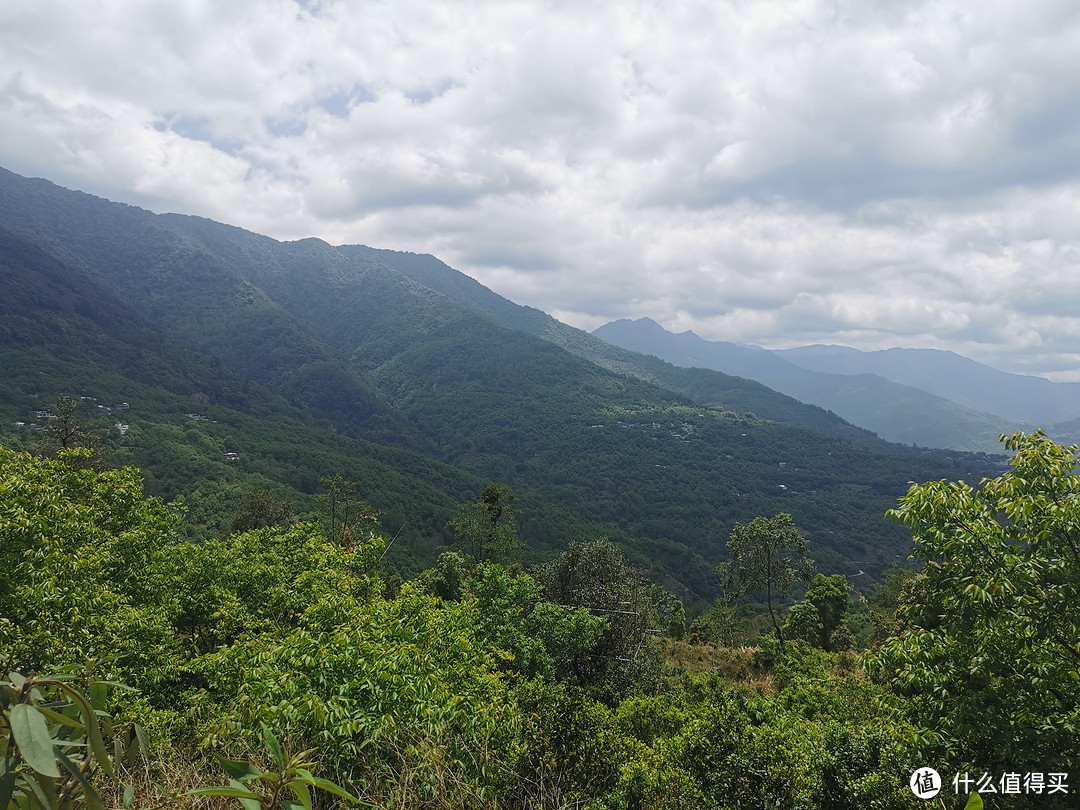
<point>239,769</point>
<point>42,792</point>
<point>273,746</point>
<point>327,785</point>
<point>48,789</point>
<point>16,680</point>
<point>974,802</point>
<point>302,793</point>
<point>7,788</point>
<point>63,719</point>
<point>129,795</point>
<point>33,738</point>
<point>143,749</point>
<point>247,804</point>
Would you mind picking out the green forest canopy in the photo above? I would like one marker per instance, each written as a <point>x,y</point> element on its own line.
<point>489,695</point>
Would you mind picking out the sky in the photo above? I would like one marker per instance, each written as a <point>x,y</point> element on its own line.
<point>870,173</point>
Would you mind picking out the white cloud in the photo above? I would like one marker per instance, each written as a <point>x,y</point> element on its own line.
<point>881,174</point>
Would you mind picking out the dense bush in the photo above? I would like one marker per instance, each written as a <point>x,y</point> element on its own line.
<point>477,685</point>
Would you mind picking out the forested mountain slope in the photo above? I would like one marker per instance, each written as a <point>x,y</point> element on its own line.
<point>362,349</point>
<point>56,308</point>
<point>741,393</point>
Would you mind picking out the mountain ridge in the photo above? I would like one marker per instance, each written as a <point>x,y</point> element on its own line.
<point>363,349</point>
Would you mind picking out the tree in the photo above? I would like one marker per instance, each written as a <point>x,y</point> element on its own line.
<point>668,612</point>
<point>884,602</point>
<point>260,509</point>
<point>70,427</point>
<point>84,569</point>
<point>803,622</point>
<point>987,641</point>
<point>447,578</point>
<point>344,510</point>
<point>545,640</point>
<point>488,527</point>
<point>716,625</point>
<point>596,576</point>
<point>767,555</point>
<point>821,619</point>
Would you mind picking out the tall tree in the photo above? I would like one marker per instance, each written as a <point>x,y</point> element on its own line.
<point>596,575</point>
<point>768,555</point>
<point>71,425</point>
<point>344,510</point>
<point>488,527</point>
<point>987,636</point>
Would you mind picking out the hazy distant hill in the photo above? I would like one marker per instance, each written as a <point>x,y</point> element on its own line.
<point>1033,401</point>
<point>425,377</point>
<point>895,412</point>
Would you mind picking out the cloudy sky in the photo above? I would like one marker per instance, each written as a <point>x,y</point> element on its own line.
<point>872,173</point>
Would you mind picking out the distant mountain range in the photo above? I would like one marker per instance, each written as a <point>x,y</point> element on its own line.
<point>250,362</point>
<point>1032,401</point>
<point>927,397</point>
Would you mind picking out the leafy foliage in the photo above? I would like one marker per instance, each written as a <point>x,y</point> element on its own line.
<point>86,568</point>
<point>47,723</point>
<point>259,510</point>
<point>597,577</point>
<point>405,690</point>
<point>343,511</point>
<point>544,640</point>
<point>477,685</point>
<point>70,426</point>
<point>986,641</point>
<point>715,625</point>
<point>292,776</point>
